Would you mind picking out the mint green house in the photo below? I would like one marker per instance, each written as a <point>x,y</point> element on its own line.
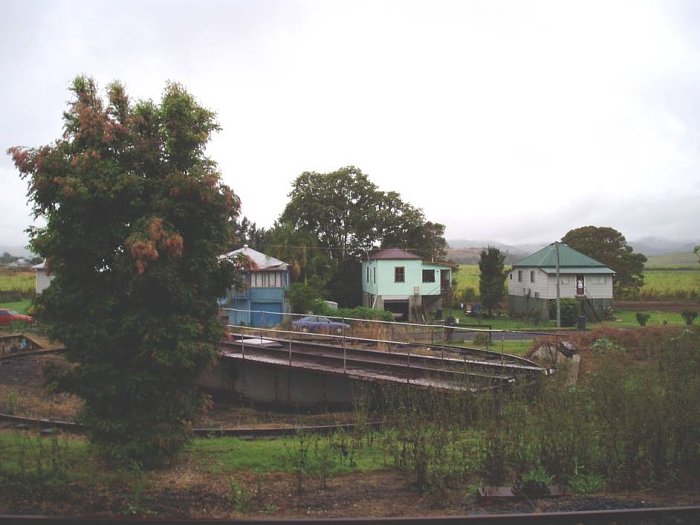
<point>402,283</point>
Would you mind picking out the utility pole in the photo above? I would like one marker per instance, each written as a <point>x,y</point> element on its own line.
<point>556,249</point>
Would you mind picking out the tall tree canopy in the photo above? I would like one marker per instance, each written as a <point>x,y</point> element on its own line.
<point>349,216</point>
<point>136,217</point>
<point>248,233</point>
<point>492,277</point>
<point>609,246</point>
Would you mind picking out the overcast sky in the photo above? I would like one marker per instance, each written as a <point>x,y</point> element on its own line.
<point>506,120</point>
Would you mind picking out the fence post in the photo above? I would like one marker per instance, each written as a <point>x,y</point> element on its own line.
<point>503,344</point>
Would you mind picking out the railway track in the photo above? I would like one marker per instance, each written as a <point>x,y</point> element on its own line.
<point>689,515</point>
<point>445,367</point>
<point>24,423</point>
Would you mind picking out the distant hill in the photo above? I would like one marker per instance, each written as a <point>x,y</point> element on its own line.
<point>658,250</point>
<point>464,251</point>
<point>656,246</point>
<point>17,251</point>
<point>672,259</point>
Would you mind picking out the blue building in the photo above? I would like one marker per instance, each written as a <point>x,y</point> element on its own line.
<point>261,302</point>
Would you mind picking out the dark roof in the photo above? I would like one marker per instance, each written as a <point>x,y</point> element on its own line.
<point>568,259</point>
<point>393,253</point>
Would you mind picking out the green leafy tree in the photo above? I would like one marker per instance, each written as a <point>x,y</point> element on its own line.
<point>248,234</point>
<point>402,225</point>
<point>337,208</point>
<point>302,297</point>
<point>136,218</point>
<point>609,246</point>
<point>300,249</point>
<point>492,278</point>
<point>7,258</point>
<point>348,216</point>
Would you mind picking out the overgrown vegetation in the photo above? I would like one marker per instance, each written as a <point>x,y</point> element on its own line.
<point>632,421</point>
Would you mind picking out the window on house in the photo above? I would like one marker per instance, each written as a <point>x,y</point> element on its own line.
<point>368,274</point>
<point>268,279</point>
<point>510,276</point>
<point>399,274</point>
<point>374,270</point>
<point>532,276</point>
<point>520,276</point>
<point>428,276</point>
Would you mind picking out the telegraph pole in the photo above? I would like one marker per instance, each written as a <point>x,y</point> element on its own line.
<point>556,249</point>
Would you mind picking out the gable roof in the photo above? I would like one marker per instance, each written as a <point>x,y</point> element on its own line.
<point>393,253</point>
<point>570,261</point>
<point>259,262</point>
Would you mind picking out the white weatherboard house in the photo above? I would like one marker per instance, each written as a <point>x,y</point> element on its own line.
<point>42,277</point>
<point>402,283</point>
<point>532,283</point>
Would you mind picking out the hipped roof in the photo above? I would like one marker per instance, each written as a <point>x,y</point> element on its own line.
<point>260,261</point>
<point>570,261</point>
<point>393,253</point>
<point>397,254</point>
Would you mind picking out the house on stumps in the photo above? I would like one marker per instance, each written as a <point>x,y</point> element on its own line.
<point>402,283</point>
<point>261,300</point>
<point>532,282</point>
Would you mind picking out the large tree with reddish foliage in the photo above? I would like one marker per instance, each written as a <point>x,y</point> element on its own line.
<point>136,218</point>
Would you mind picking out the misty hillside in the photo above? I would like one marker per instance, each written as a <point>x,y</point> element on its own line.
<point>659,251</point>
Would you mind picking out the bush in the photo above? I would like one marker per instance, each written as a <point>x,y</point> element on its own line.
<point>568,309</point>
<point>689,316</point>
<point>586,483</point>
<point>360,312</point>
<point>302,297</point>
<point>642,318</point>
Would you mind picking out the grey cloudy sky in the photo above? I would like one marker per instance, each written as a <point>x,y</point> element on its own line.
<point>509,120</point>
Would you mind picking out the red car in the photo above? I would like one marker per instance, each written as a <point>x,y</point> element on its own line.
<point>10,316</point>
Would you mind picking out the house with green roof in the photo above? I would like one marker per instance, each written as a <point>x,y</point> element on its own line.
<point>532,282</point>
<point>402,283</point>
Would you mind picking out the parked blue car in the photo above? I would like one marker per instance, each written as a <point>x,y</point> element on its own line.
<point>316,323</point>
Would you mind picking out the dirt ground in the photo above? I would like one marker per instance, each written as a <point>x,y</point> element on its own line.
<point>185,491</point>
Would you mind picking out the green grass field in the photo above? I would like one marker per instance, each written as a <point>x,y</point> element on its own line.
<point>22,282</point>
<point>681,282</point>
<point>467,277</point>
<point>18,306</point>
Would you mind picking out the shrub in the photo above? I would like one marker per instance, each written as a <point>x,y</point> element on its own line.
<point>568,309</point>
<point>586,483</point>
<point>642,318</point>
<point>360,312</point>
<point>689,316</point>
<point>482,339</point>
<point>302,297</point>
